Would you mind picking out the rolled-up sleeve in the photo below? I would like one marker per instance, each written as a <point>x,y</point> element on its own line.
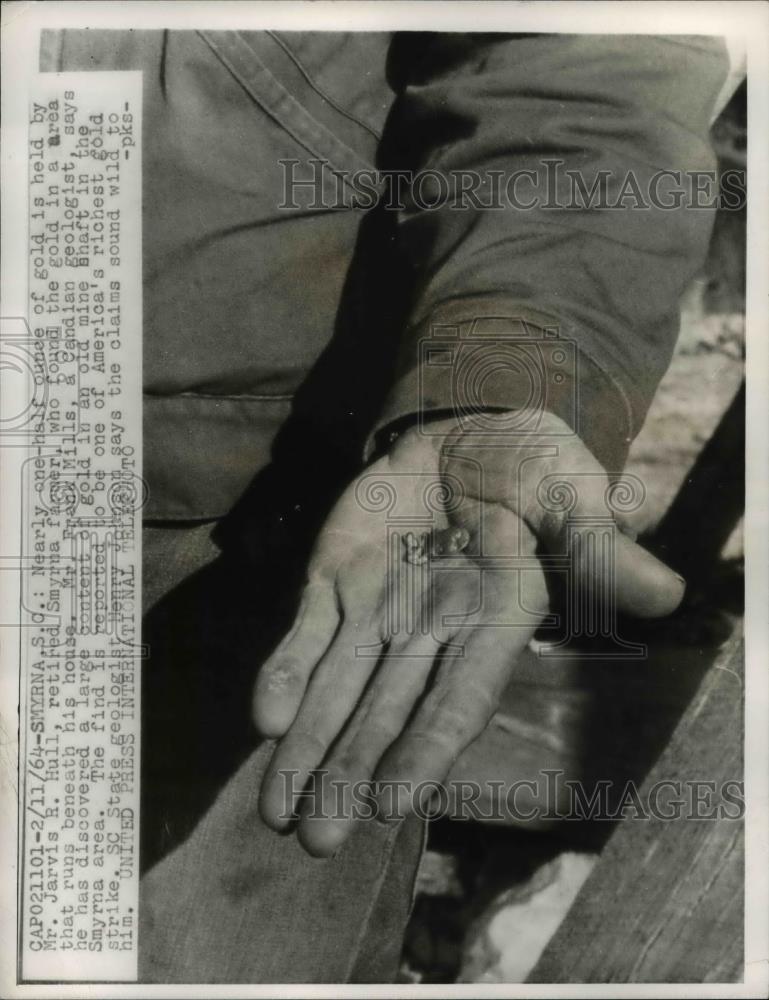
<point>573,248</point>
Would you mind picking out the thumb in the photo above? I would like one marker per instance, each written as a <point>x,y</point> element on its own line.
<point>610,566</point>
<point>606,562</point>
<point>566,500</point>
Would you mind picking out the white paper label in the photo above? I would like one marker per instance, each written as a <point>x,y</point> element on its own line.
<point>82,494</point>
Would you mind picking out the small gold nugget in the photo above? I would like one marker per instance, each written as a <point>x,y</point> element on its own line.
<point>441,542</point>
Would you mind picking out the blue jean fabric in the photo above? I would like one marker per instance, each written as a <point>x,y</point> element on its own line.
<point>238,903</point>
<point>224,898</point>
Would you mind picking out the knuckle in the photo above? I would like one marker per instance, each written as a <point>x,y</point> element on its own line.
<point>462,720</point>
<point>421,742</point>
<point>382,731</point>
<point>304,742</point>
<point>388,709</point>
<point>482,700</point>
<point>452,723</point>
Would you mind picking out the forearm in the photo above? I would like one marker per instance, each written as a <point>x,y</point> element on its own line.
<point>604,282</point>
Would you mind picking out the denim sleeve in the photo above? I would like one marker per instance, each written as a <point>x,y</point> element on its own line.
<point>572,252</point>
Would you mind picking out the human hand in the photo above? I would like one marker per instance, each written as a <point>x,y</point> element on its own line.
<point>395,663</point>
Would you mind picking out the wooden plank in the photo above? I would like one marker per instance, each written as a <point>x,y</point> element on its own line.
<point>666,901</point>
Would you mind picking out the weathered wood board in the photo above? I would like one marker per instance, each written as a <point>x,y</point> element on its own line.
<point>666,901</point>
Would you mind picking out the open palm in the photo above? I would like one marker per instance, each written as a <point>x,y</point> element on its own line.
<point>422,591</point>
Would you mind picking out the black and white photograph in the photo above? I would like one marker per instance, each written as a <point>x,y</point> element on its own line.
<point>384,488</point>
